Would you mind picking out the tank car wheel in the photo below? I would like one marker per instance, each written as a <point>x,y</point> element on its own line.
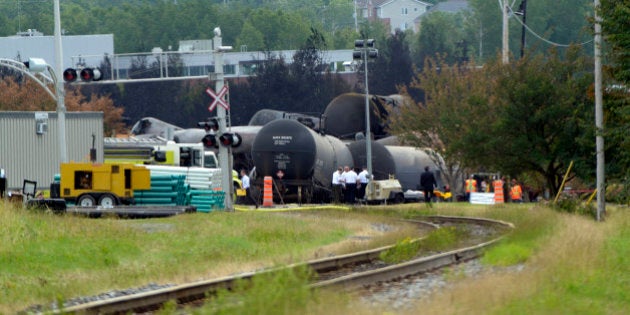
<point>107,200</point>
<point>86,201</point>
<point>308,194</point>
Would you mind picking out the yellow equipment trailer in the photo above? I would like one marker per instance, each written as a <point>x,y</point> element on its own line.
<point>107,185</point>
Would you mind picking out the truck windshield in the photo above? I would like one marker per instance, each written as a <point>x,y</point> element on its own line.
<point>210,162</point>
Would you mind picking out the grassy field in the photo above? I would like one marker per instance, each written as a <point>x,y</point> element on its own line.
<point>571,264</point>
<point>46,257</point>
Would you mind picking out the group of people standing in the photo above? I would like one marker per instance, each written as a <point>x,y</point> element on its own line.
<point>348,186</point>
<point>498,185</point>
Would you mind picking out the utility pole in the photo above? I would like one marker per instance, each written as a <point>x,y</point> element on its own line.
<point>506,48</point>
<point>523,11</point>
<point>599,118</point>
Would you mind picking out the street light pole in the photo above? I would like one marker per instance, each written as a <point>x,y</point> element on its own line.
<point>61,107</point>
<point>368,132</point>
<point>364,49</point>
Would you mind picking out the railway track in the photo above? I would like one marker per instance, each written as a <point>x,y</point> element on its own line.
<point>337,271</point>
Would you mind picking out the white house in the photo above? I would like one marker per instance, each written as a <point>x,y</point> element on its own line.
<point>397,14</point>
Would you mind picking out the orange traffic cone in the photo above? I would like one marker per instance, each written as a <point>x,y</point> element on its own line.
<point>268,192</point>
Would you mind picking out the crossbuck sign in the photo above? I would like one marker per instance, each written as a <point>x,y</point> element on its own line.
<point>219,98</point>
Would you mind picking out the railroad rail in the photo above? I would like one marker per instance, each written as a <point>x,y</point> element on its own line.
<point>196,291</point>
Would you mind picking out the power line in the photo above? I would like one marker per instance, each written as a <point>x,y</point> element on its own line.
<point>544,39</point>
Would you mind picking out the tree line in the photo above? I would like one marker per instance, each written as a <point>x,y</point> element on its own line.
<point>528,119</point>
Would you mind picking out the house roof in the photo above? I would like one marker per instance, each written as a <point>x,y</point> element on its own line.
<point>381,3</point>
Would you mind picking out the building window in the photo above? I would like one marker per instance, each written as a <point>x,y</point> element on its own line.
<point>403,11</point>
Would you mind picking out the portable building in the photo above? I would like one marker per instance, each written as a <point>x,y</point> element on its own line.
<point>30,144</point>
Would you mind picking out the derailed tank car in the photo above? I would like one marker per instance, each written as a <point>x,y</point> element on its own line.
<point>383,163</point>
<point>410,163</point>
<point>307,159</point>
<point>344,116</point>
<point>265,116</point>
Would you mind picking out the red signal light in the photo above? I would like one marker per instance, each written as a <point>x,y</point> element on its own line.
<point>209,141</point>
<point>70,75</point>
<point>230,139</point>
<point>91,74</point>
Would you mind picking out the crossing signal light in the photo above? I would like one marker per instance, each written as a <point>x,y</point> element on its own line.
<point>210,124</point>
<point>70,75</point>
<point>362,43</point>
<point>86,74</point>
<point>210,141</point>
<point>230,139</point>
<point>91,74</point>
<point>364,46</point>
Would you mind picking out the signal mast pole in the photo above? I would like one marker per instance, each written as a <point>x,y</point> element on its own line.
<point>224,151</point>
<point>61,107</point>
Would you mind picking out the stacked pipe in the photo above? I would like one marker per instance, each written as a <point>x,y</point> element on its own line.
<point>203,186</point>
<point>196,177</point>
<point>166,190</point>
<point>206,200</point>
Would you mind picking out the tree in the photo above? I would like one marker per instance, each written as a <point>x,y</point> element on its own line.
<point>543,112</point>
<point>29,96</point>
<point>561,21</point>
<point>617,95</point>
<point>443,121</point>
<point>304,86</point>
<point>531,117</point>
<point>393,67</point>
<point>439,35</point>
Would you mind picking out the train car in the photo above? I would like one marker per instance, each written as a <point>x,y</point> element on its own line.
<point>344,116</point>
<point>383,163</point>
<point>265,116</point>
<point>410,163</point>
<point>306,158</point>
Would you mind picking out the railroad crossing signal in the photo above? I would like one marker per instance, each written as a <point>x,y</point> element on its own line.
<point>231,139</point>
<point>211,124</point>
<point>219,98</point>
<point>87,74</point>
<point>210,141</point>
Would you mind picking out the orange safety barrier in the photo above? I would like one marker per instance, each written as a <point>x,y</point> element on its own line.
<point>498,191</point>
<point>268,192</point>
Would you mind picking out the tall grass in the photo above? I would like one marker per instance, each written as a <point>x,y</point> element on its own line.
<point>46,257</point>
<point>572,265</point>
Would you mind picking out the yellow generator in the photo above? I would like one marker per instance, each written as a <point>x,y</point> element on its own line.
<point>107,185</point>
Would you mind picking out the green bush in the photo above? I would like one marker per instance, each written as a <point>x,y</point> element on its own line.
<point>575,206</point>
<point>619,192</point>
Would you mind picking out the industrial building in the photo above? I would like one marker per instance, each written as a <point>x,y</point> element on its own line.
<point>31,147</point>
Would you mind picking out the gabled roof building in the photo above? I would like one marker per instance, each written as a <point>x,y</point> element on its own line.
<point>397,14</point>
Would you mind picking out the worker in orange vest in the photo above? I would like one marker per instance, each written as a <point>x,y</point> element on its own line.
<point>498,190</point>
<point>516,193</point>
<point>470,186</point>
